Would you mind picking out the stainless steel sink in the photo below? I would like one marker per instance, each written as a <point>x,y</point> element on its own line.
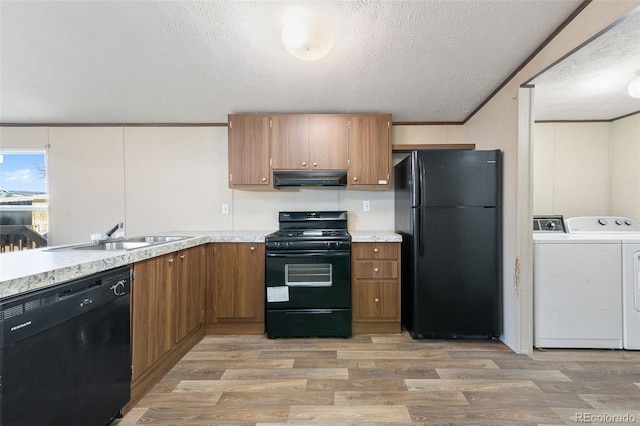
<point>123,243</point>
<point>112,245</point>
<point>155,239</point>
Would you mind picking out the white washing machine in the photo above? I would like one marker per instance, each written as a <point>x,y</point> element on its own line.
<point>628,231</point>
<point>577,289</point>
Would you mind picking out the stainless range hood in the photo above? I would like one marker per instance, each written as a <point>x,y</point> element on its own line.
<point>310,178</point>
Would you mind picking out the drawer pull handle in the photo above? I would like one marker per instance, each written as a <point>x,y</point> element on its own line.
<point>377,300</point>
<point>252,248</point>
<point>375,250</point>
<point>375,269</point>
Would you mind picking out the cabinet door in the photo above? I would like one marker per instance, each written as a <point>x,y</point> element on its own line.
<point>249,150</point>
<point>189,291</point>
<point>239,282</point>
<point>152,309</point>
<point>328,142</point>
<point>290,142</point>
<point>370,152</point>
<point>376,301</point>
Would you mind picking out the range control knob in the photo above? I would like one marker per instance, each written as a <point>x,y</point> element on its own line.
<point>618,222</point>
<point>602,221</point>
<point>627,222</point>
<point>550,225</point>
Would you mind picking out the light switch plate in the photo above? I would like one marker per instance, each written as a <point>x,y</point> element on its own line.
<point>225,208</point>
<point>366,206</point>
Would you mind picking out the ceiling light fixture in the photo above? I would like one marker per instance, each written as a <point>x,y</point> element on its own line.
<point>307,38</point>
<point>634,86</point>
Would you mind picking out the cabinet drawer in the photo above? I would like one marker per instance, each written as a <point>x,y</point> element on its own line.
<point>377,301</point>
<point>375,250</point>
<point>376,269</point>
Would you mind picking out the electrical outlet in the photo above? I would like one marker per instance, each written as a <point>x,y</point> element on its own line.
<point>225,208</point>
<point>366,206</point>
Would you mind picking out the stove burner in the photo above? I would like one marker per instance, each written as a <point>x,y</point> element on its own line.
<point>316,230</point>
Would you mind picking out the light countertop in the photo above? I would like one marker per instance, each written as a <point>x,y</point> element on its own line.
<point>29,270</point>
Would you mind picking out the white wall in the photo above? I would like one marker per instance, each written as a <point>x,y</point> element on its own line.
<point>572,169</point>
<point>163,179</point>
<point>625,167</point>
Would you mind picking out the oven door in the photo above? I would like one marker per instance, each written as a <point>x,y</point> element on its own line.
<point>308,280</point>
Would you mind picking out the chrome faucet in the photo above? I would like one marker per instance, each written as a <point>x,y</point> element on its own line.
<point>113,230</point>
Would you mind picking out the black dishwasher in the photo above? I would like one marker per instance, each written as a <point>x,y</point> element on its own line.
<point>65,352</point>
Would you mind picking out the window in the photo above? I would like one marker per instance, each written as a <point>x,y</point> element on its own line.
<point>24,200</point>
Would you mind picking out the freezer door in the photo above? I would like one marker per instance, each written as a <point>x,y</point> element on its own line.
<point>458,178</point>
<point>457,282</point>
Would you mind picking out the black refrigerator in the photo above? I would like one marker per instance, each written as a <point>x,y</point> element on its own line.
<point>448,209</point>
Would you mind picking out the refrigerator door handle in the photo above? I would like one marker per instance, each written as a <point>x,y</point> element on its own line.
<point>419,180</point>
<point>418,231</point>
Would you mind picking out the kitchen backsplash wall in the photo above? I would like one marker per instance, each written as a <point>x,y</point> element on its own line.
<point>163,179</point>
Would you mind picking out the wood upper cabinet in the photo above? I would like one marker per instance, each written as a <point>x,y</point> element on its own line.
<point>370,152</point>
<point>309,142</point>
<point>329,142</point>
<point>236,290</point>
<point>290,142</point>
<point>376,287</point>
<point>249,151</point>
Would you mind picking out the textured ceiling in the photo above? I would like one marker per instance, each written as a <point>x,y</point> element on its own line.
<point>591,83</point>
<point>196,62</point>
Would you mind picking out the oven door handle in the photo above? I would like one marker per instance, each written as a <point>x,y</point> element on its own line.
<point>311,254</point>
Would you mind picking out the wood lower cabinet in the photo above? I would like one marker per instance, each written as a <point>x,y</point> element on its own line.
<point>152,310</point>
<point>167,314</point>
<point>190,289</point>
<point>370,152</point>
<point>235,288</point>
<point>375,288</point>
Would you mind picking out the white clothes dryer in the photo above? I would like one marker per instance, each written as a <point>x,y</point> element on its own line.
<point>631,292</point>
<point>628,231</point>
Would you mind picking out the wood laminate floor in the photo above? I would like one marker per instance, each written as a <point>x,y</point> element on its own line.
<point>390,380</point>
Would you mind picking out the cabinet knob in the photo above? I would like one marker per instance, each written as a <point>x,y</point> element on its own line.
<point>355,179</point>
<point>315,164</point>
<point>375,269</point>
<point>375,250</point>
<point>376,300</point>
<point>182,257</point>
<point>304,163</point>
<point>264,179</point>
<point>171,260</point>
<point>252,248</point>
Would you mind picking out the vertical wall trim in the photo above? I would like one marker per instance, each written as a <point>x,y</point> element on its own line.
<point>523,269</point>
<point>124,180</point>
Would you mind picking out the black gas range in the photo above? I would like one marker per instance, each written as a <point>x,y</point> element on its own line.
<point>308,275</point>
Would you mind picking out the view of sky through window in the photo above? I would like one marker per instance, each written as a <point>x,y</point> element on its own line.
<point>22,172</point>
